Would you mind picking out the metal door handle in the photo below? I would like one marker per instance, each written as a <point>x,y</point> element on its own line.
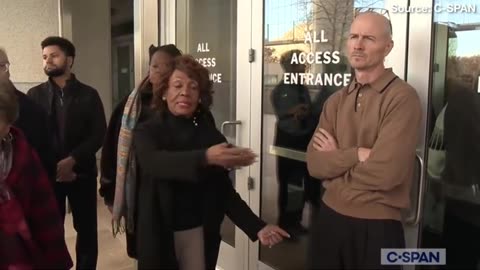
<point>415,219</point>
<point>229,123</point>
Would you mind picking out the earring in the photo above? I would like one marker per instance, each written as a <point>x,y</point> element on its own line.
<point>164,98</point>
<point>199,100</point>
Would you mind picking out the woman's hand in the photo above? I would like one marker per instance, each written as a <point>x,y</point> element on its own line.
<point>229,157</point>
<point>271,235</point>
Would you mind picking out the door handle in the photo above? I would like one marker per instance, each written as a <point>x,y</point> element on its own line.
<point>229,123</point>
<point>415,219</point>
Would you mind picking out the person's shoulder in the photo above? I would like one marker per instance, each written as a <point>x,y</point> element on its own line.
<point>404,86</point>
<point>336,94</point>
<point>154,122</point>
<point>334,98</point>
<point>20,95</point>
<point>27,104</point>
<point>86,88</point>
<point>403,90</point>
<point>38,88</point>
<point>24,100</point>
<point>154,128</point>
<point>401,95</point>
<point>78,85</point>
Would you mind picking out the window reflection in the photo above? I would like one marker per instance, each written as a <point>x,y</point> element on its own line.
<point>207,30</point>
<point>304,63</point>
<point>452,209</point>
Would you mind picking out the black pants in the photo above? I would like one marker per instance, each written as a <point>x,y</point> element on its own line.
<point>295,173</point>
<point>82,196</point>
<point>462,236</point>
<point>341,242</point>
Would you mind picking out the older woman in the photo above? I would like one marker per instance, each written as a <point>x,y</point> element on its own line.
<point>186,192</point>
<point>133,109</point>
<point>31,228</point>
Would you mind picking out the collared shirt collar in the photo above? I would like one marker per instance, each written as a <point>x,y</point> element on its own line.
<point>379,84</point>
<point>70,81</point>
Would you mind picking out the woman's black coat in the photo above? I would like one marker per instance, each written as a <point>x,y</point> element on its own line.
<point>172,149</point>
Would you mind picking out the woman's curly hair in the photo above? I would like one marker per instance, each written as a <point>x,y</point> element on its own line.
<point>195,71</point>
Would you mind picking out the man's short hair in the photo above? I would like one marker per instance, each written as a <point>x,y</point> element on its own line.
<point>64,44</point>
<point>286,59</point>
<point>8,102</point>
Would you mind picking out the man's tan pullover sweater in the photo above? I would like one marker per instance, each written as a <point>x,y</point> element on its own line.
<point>383,116</point>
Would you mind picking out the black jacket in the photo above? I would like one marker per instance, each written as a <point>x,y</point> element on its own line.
<point>172,150</point>
<point>32,120</point>
<point>85,122</point>
<point>108,161</point>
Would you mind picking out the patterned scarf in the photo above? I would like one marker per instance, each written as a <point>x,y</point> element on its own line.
<point>124,200</point>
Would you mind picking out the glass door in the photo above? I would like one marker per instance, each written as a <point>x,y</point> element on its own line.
<point>451,216</point>
<point>303,63</point>
<point>210,31</point>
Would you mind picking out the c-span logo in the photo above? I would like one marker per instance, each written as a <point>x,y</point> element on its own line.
<point>412,256</point>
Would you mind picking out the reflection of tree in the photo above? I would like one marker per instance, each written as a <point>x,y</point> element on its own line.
<point>268,56</point>
<point>452,46</point>
<point>465,69</point>
<point>333,16</point>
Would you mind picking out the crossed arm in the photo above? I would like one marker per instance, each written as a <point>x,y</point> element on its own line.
<point>324,159</point>
<point>381,167</point>
<point>334,161</point>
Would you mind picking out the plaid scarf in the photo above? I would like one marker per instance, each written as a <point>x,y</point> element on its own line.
<point>124,200</point>
<point>31,229</point>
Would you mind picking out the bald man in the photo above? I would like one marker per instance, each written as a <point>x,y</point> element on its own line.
<point>364,150</point>
<point>32,121</point>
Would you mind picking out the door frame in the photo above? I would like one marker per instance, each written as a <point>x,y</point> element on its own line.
<point>410,60</point>
<point>117,42</point>
<point>229,257</point>
<point>419,76</point>
<point>145,32</point>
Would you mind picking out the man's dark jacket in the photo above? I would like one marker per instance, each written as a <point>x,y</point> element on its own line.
<point>32,121</point>
<point>85,123</point>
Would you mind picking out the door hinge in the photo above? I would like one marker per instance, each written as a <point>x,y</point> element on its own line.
<point>251,183</point>
<point>251,55</point>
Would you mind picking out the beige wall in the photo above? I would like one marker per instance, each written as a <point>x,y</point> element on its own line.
<point>23,25</point>
<point>90,32</point>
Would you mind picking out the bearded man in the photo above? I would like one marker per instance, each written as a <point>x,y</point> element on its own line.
<point>77,123</point>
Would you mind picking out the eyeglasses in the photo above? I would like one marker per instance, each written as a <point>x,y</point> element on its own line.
<point>4,67</point>
<point>381,11</point>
